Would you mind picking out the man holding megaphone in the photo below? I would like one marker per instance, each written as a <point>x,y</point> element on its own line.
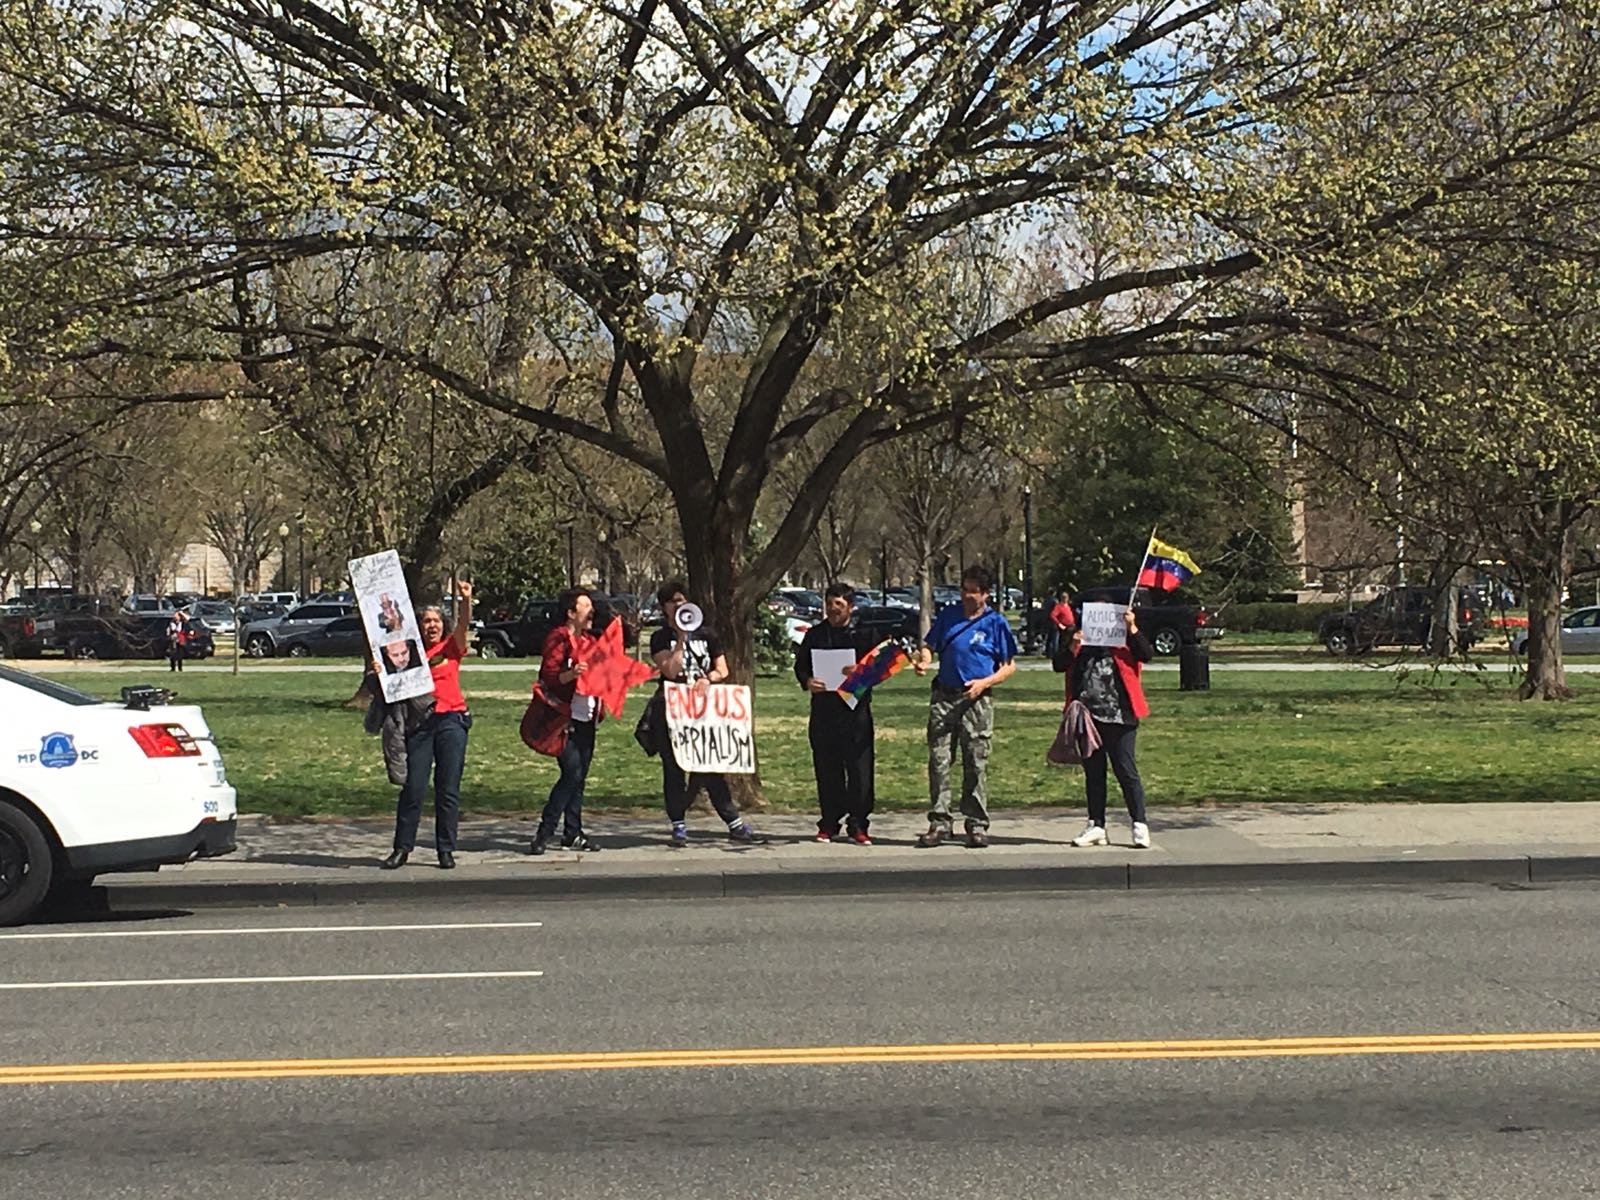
<point>685,651</point>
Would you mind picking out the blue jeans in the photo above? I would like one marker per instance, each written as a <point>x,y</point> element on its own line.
<point>439,747</point>
<point>566,798</point>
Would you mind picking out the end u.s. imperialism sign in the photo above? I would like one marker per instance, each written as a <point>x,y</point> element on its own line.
<point>711,731</point>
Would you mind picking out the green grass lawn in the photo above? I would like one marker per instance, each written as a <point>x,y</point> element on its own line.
<point>1348,736</point>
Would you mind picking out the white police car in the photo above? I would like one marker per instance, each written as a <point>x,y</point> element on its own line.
<point>89,787</point>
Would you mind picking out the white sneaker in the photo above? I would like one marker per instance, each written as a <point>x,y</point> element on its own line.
<point>1092,835</point>
<point>1141,836</point>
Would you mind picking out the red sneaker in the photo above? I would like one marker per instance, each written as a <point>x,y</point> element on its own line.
<point>823,836</point>
<point>860,838</point>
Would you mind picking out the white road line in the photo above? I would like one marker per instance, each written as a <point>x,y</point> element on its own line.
<point>75,935</point>
<point>75,984</point>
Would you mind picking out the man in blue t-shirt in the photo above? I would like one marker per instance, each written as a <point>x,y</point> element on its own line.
<point>976,650</point>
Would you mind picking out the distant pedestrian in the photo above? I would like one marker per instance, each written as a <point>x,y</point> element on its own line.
<point>841,735</point>
<point>439,744</point>
<point>977,650</point>
<point>1106,680</point>
<point>696,657</point>
<point>177,640</point>
<point>1061,623</point>
<point>566,658</point>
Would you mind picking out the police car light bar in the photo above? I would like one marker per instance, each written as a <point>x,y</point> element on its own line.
<point>164,741</point>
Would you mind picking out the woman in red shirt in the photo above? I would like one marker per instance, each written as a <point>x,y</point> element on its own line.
<point>439,744</point>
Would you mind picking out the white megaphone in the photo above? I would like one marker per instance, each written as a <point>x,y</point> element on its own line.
<point>688,618</point>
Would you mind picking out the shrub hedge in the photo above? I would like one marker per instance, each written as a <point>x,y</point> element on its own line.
<point>1274,617</point>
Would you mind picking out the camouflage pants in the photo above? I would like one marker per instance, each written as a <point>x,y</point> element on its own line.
<point>953,721</point>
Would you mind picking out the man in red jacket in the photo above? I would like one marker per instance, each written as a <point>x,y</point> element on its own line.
<point>1106,680</point>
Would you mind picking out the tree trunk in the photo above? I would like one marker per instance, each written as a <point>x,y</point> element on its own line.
<point>1444,626</point>
<point>1546,677</point>
<point>714,560</point>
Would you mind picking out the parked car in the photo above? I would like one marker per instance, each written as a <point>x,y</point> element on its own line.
<point>287,599</point>
<point>260,639</point>
<point>522,635</point>
<point>888,621</point>
<point>1171,620</point>
<point>808,605</point>
<point>1401,616</point>
<point>345,637</point>
<point>257,611</point>
<point>149,604</point>
<point>89,787</point>
<point>19,634</point>
<point>215,615</point>
<point>903,597</point>
<point>1580,633</point>
<point>105,632</point>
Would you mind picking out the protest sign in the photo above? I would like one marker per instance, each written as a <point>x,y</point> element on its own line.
<point>1103,625</point>
<point>711,731</point>
<point>833,667</point>
<point>391,624</point>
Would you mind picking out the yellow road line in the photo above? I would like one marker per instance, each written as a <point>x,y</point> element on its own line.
<point>637,1060</point>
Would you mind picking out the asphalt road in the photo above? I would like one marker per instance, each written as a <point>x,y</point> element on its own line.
<point>1168,1113</point>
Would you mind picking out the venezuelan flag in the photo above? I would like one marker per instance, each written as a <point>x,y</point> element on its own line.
<point>1166,568</point>
<point>882,661</point>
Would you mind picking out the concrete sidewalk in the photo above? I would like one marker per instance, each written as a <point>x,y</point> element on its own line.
<point>336,862</point>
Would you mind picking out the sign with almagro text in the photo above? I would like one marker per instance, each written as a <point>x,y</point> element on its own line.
<point>711,731</point>
<point>1103,625</point>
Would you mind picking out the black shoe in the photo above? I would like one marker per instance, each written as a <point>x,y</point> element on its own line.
<point>396,860</point>
<point>977,839</point>
<point>581,842</point>
<point>743,833</point>
<point>937,835</point>
<point>538,845</point>
<point>447,860</point>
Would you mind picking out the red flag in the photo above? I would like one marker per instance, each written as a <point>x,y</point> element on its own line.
<point>612,670</point>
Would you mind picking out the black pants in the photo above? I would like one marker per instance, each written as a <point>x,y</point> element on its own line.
<point>438,747</point>
<point>175,662</point>
<point>1116,744</point>
<point>566,798</point>
<point>678,788</point>
<point>842,756</point>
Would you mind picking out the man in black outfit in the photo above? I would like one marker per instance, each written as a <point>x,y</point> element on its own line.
<point>841,736</point>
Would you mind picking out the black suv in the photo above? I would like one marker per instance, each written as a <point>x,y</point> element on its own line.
<point>523,636</point>
<point>1401,616</point>
<point>1171,620</point>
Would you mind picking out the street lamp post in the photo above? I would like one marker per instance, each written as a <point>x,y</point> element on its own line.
<point>35,528</point>
<point>572,559</point>
<point>300,522</point>
<point>283,551</point>
<point>883,568</point>
<point>1027,561</point>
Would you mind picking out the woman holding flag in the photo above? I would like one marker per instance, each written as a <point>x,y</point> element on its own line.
<point>584,676</point>
<point>1106,680</point>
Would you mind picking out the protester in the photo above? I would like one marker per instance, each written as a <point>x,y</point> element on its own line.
<point>566,655</point>
<point>177,639</point>
<point>841,735</point>
<point>977,650</point>
<point>695,658</point>
<point>1061,623</point>
<point>1105,679</point>
<point>438,744</point>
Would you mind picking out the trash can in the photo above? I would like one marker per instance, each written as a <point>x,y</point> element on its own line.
<point>1194,668</point>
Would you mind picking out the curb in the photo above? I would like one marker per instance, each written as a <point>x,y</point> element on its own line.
<point>1520,870</point>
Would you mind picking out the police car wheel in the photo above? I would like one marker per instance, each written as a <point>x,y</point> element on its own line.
<point>25,865</point>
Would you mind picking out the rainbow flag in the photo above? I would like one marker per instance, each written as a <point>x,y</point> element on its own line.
<point>882,661</point>
<point>1165,567</point>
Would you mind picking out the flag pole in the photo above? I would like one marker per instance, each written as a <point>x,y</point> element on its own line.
<point>1148,546</point>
